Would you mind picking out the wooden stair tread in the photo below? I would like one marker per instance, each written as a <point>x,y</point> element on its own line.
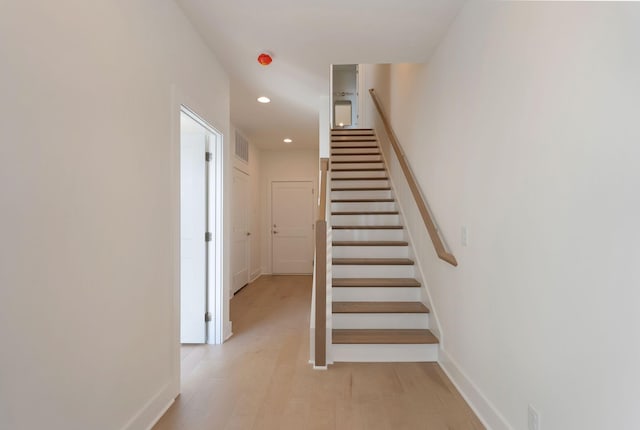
<point>367,227</point>
<point>353,146</point>
<point>370,243</point>
<point>353,154</point>
<point>362,189</point>
<point>359,169</point>
<point>373,261</point>
<point>366,213</point>
<point>375,282</point>
<point>362,178</point>
<point>351,130</point>
<point>383,336</point>
<point>385,200</point>
<point>333,130</point>
<point>354,140</point>
<point>379,308</point>
<point>354,161</point>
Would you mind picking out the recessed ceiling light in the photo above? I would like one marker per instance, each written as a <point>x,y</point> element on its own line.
<point>264,99</point>
<point>287,140</point>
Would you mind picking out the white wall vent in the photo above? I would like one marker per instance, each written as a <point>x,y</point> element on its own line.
<point>242,148</point>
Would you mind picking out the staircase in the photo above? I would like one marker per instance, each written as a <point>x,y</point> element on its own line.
<point>377,311</point>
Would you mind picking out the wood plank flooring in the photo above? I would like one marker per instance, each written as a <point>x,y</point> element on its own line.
<point>261,378</point>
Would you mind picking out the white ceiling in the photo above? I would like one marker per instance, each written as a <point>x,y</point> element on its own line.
<point>305,37</point>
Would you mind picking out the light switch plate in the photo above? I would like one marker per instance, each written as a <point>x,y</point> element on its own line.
<point>464,236</point>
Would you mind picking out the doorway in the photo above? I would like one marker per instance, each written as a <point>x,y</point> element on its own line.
<point>200,230</point>
<point>345,96</point>
<point>292,227</point>
<point>240,231</point>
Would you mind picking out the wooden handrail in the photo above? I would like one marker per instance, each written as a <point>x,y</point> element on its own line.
<point>413,186</point>
<point>320,358</point>
<point>322,208</point>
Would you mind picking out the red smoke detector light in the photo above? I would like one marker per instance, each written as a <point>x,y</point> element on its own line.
<point>264,59</point>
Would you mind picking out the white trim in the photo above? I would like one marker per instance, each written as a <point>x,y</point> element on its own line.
<point>363,92</point>
<point>214,261</point>
<point>255,275</point>
<point>491,418</point>
<point>320,367</point>
<point>228,332</point>
<point>152,411</point>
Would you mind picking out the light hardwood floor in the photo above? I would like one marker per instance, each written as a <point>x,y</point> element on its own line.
<point>261,378</point>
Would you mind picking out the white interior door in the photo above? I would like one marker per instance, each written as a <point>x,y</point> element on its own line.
<point>240,227</point>
<point>292,227</point>
<point>193,287</point>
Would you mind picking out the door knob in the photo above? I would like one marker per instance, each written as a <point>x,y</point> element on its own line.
<point>275,232</point>
<point>248,233</point>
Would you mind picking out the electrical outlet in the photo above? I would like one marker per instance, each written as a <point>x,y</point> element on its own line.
<point>533,419</point>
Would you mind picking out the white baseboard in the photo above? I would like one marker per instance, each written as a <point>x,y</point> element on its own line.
<point>153,410</point>
<point>255,275</point>
<point>228,330</point>
<point>484,409</point>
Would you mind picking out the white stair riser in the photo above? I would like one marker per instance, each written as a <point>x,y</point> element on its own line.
<point>352,137</point>
<point>372,271</point>
<point>375,294</point>
<point>384,353</point>
<point>365,183</point>
<point>354,158</point>
<point>365,220</point>
<point>381,321</point>
<point>358,166</point>
<point>367,194</point>
<point>370,252</point>
<point>354,145</point>
<point>338,234</point>
<point>363,207</point>
<point>348,151</point>
<point>359,174</point>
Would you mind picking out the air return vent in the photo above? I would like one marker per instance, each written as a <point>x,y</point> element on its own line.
<point>242,148</point>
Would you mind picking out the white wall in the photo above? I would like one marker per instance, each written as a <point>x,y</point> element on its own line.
<point>374,76</point>
<point>89,204</point>
<point>282,165</point>
<point>524,128</point>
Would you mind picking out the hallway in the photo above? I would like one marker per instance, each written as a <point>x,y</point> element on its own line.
<point>261,379</point>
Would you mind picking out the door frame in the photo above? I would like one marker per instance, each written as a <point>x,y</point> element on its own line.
<point>314,185</point>
<point>214,211</point>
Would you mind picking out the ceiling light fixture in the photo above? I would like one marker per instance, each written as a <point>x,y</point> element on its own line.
<point>287,140</point>
<point>264,99</point>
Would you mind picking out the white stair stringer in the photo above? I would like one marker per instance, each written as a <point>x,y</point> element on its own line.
<point>368,231</point>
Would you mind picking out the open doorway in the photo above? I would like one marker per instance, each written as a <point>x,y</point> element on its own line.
<point>345,94</point>
<point>200,230</point>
